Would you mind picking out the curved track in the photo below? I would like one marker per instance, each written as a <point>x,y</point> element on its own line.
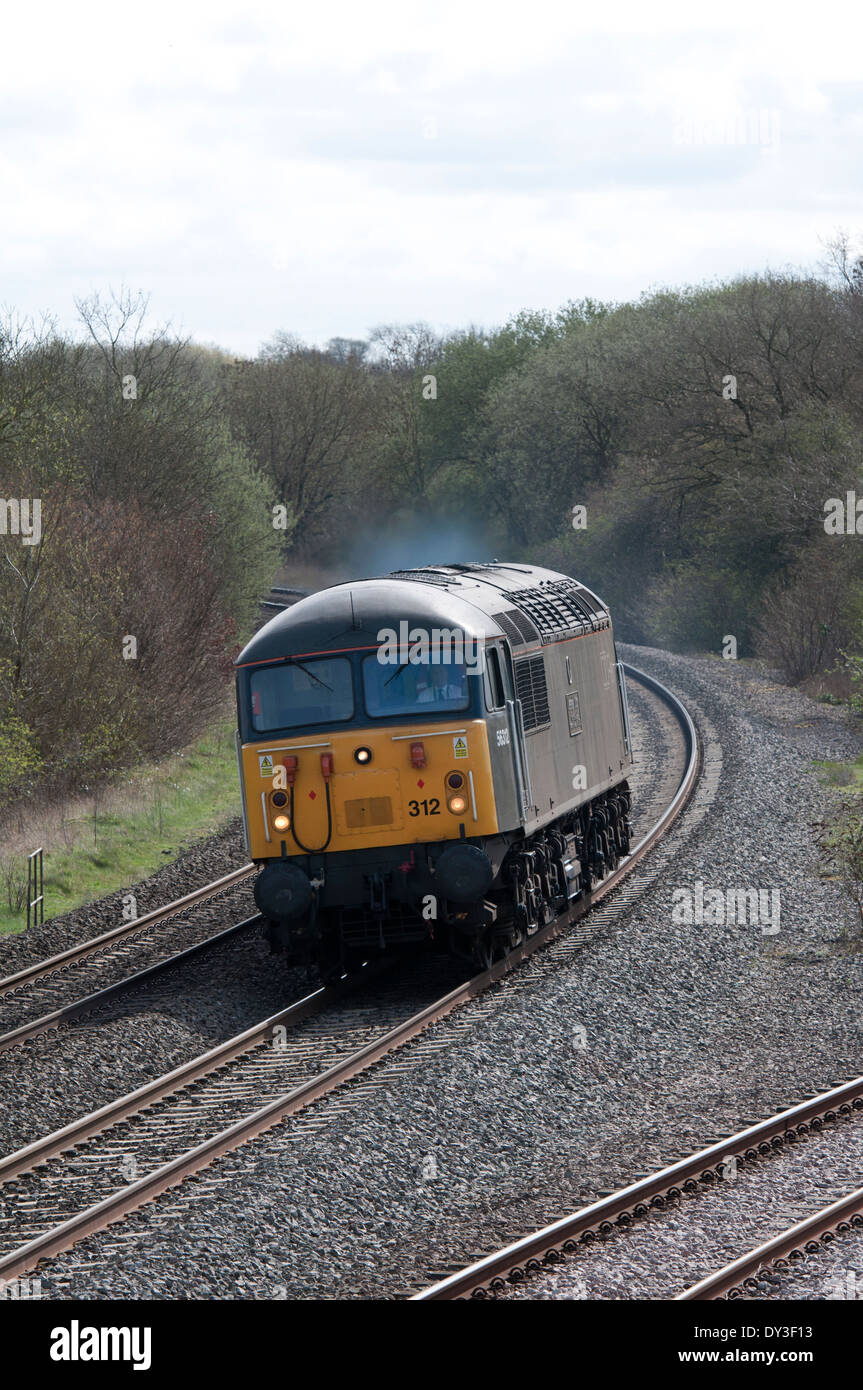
<point>65,1186</point>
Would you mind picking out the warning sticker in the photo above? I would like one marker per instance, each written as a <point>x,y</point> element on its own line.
<point>265,762</point>
<point>459,747</point>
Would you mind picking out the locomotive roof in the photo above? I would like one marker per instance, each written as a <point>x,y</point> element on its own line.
<point>526,603</point>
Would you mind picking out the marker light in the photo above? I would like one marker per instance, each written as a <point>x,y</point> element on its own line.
<point>457,805</point>
<point>280,798</point>
<point>290,766</point>
<point>362,755</point>
<point>455,781</point>
<point>282,822</point>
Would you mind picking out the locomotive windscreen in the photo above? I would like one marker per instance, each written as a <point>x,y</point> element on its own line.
<point>408,689</point>
<point>292,694</point>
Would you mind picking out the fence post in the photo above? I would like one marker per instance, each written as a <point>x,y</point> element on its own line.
<point>35,888</point>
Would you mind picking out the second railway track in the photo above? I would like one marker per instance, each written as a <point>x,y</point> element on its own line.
<point>73,982</point>
<point>676,1193</point>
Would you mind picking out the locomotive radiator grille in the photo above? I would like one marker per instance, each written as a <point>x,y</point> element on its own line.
<point>532,690</point>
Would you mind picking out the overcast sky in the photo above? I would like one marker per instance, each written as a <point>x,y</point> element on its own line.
<point>324,168</point>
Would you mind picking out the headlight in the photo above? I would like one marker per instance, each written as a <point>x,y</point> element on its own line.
<point>457,805</point>
<point>282,822</point>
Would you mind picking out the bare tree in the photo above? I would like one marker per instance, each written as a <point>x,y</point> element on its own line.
<point>304,420</point>
<point>405,348</point>
<point>347,349</point>
<point>844,263</point>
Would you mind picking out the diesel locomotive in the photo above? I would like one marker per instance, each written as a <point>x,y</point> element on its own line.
<point>438,754</point>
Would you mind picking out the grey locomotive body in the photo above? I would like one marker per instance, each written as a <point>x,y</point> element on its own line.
<point>472,800</point>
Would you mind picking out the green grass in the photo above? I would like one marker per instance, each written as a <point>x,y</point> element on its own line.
<point>148,818</point>
<point>844,776</point>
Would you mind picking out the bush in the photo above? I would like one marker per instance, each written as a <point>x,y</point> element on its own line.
<point>812,614</point>
<point>20,763</point>
<point>13,884</point>
<point>695,607</point>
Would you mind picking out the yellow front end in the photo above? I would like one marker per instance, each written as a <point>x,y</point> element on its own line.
<point>402,794</point>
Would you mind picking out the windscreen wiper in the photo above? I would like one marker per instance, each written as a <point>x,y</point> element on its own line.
<point>317,680</point>
<point>396,673</point>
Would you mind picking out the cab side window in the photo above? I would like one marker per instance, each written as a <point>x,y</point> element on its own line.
<point>494,696</point>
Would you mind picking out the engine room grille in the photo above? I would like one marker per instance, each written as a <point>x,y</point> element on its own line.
<point>559,610</point>
<point>531,689</point>
<point>424,576</point>
<point>517,626</point>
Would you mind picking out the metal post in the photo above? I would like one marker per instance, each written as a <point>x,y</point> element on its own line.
<point>35,889</point>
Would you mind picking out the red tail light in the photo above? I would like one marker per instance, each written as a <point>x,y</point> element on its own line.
<point>326,765</point>
<point>418,755</point>
<point>290,766</point>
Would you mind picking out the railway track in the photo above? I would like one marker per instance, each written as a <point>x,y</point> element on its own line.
<point>808,1237</point>
<point>103,1166</point>
<point>281,598</point>
<point>61,988</point>
<point>698,1173</point>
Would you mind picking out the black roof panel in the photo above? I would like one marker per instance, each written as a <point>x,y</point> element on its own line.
<point>484,600</point>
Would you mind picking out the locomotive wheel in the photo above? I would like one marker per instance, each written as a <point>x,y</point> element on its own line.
<point>484,950</point>
<point>333,963</point>
<point>515,938</point>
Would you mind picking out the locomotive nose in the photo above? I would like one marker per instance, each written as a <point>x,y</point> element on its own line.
<point>282,891</point>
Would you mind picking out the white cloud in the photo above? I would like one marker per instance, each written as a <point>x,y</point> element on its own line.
<point>259,167</point>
